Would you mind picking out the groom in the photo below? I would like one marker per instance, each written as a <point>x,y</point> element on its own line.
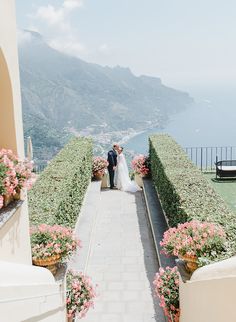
<point>112,160</point>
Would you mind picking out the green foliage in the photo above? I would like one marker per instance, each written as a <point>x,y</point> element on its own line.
<point>3,170</point>
<point>57,195</point>
<point>184,192</point>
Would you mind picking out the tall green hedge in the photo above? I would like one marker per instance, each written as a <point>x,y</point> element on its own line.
<point>184,192</point>
<point>58,194</point>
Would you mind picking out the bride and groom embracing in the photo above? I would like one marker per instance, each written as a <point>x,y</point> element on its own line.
<point>119,172</point>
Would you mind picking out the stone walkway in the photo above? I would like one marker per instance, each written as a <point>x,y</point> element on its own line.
<point>121,260</point>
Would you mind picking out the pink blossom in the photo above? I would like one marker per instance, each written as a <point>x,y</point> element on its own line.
<point>193,238</point>
<point>1,202</point>
<point>52,240</point>
<point>139,165</point>
<point>80,294</point>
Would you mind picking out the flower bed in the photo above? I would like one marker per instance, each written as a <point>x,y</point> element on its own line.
<point>184,192</point>
<point>140,165</point>
<point>166,285</point>
<point>15,175</point>
<point>80,294</point>
<point>57,195</point>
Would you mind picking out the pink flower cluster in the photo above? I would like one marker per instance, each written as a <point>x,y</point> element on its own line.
<point>80,294</point>
<point>1,201</point>
<point>194,238</point>
<point>99,165</point>
<point>52,240</point>
<point>140,165</point>
<point>166,284</point>
<point>14,175</point>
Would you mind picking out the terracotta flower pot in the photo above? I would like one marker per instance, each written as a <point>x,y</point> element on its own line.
<point>7,198</point>
<point>17,195</point>
<point>70,319</point>
<point>48,262</point>
<point>190,262</point>
<point>98,175</point>
<point>138,179</point>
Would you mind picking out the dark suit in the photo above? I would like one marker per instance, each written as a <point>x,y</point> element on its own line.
<point>112,160</point>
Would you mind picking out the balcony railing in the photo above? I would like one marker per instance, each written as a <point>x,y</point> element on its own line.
<point>205,157</point>
<point>38,168</point>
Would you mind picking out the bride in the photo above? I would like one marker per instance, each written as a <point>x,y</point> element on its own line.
<point>123,181</point>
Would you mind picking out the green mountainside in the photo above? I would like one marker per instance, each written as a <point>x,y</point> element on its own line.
<point>63,94</point>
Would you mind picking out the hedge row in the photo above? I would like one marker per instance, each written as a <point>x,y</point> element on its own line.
<point>184,192</point>
<point>57,195</point>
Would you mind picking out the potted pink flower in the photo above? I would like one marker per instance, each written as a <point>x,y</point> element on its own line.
<point>166,284</point>
<point>140,165</point>
<point>3,171</point>
<point>80,294</point>
<point>17,175</point>
<point>10,181</point>
<point>52,244</point>
<point>99,166</point>
<point>194,242</point>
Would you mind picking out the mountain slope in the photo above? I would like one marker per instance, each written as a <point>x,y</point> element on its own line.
<point>62,92</point>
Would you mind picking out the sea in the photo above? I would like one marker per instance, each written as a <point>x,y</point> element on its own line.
<point>210,121</point>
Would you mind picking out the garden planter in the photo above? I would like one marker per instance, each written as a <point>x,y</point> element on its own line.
<point>138,179</point>
<point>7,199</point>
<point>48,262</point>
<point>97,175</point>
<point>70,319</point>
<point>190,262</point>
<point>104,181</point>
<point>17,195</point>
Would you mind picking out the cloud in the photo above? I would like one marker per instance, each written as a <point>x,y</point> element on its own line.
<point>72,4</point>
<point>23,37</point>
<point>69,46</point>
<point>57,15</point>
<point>55,24</point>
<point>51,15</point>
<point>104,48</point>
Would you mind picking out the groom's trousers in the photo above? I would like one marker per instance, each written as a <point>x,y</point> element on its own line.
<point>111,177</point>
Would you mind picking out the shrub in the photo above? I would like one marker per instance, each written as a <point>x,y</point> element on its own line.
<point>57,195</point>
<point>184,192</point>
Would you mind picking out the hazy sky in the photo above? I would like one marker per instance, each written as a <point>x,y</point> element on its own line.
<point>185,42</point>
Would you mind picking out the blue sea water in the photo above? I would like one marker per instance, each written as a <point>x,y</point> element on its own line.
<point>211,121</point>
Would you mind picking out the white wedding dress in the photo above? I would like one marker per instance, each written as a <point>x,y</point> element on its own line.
<point>123,181</point>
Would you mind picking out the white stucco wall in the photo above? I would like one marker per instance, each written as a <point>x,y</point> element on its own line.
<point>29,293</point>
<point>14,235</point>
<point>210,294</point>
<point>11,130</point>
<point>15,239</point>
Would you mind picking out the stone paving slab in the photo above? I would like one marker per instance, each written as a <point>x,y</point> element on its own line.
<point>85,225</point>
<point>122,260</point>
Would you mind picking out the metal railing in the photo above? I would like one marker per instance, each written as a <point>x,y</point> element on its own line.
<point>38,168</point>
<point>205,157</point>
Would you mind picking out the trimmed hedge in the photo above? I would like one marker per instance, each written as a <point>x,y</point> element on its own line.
<point>57,195</point>
<point>184,192</point>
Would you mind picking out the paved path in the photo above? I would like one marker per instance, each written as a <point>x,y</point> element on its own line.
<point>122,261</point>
